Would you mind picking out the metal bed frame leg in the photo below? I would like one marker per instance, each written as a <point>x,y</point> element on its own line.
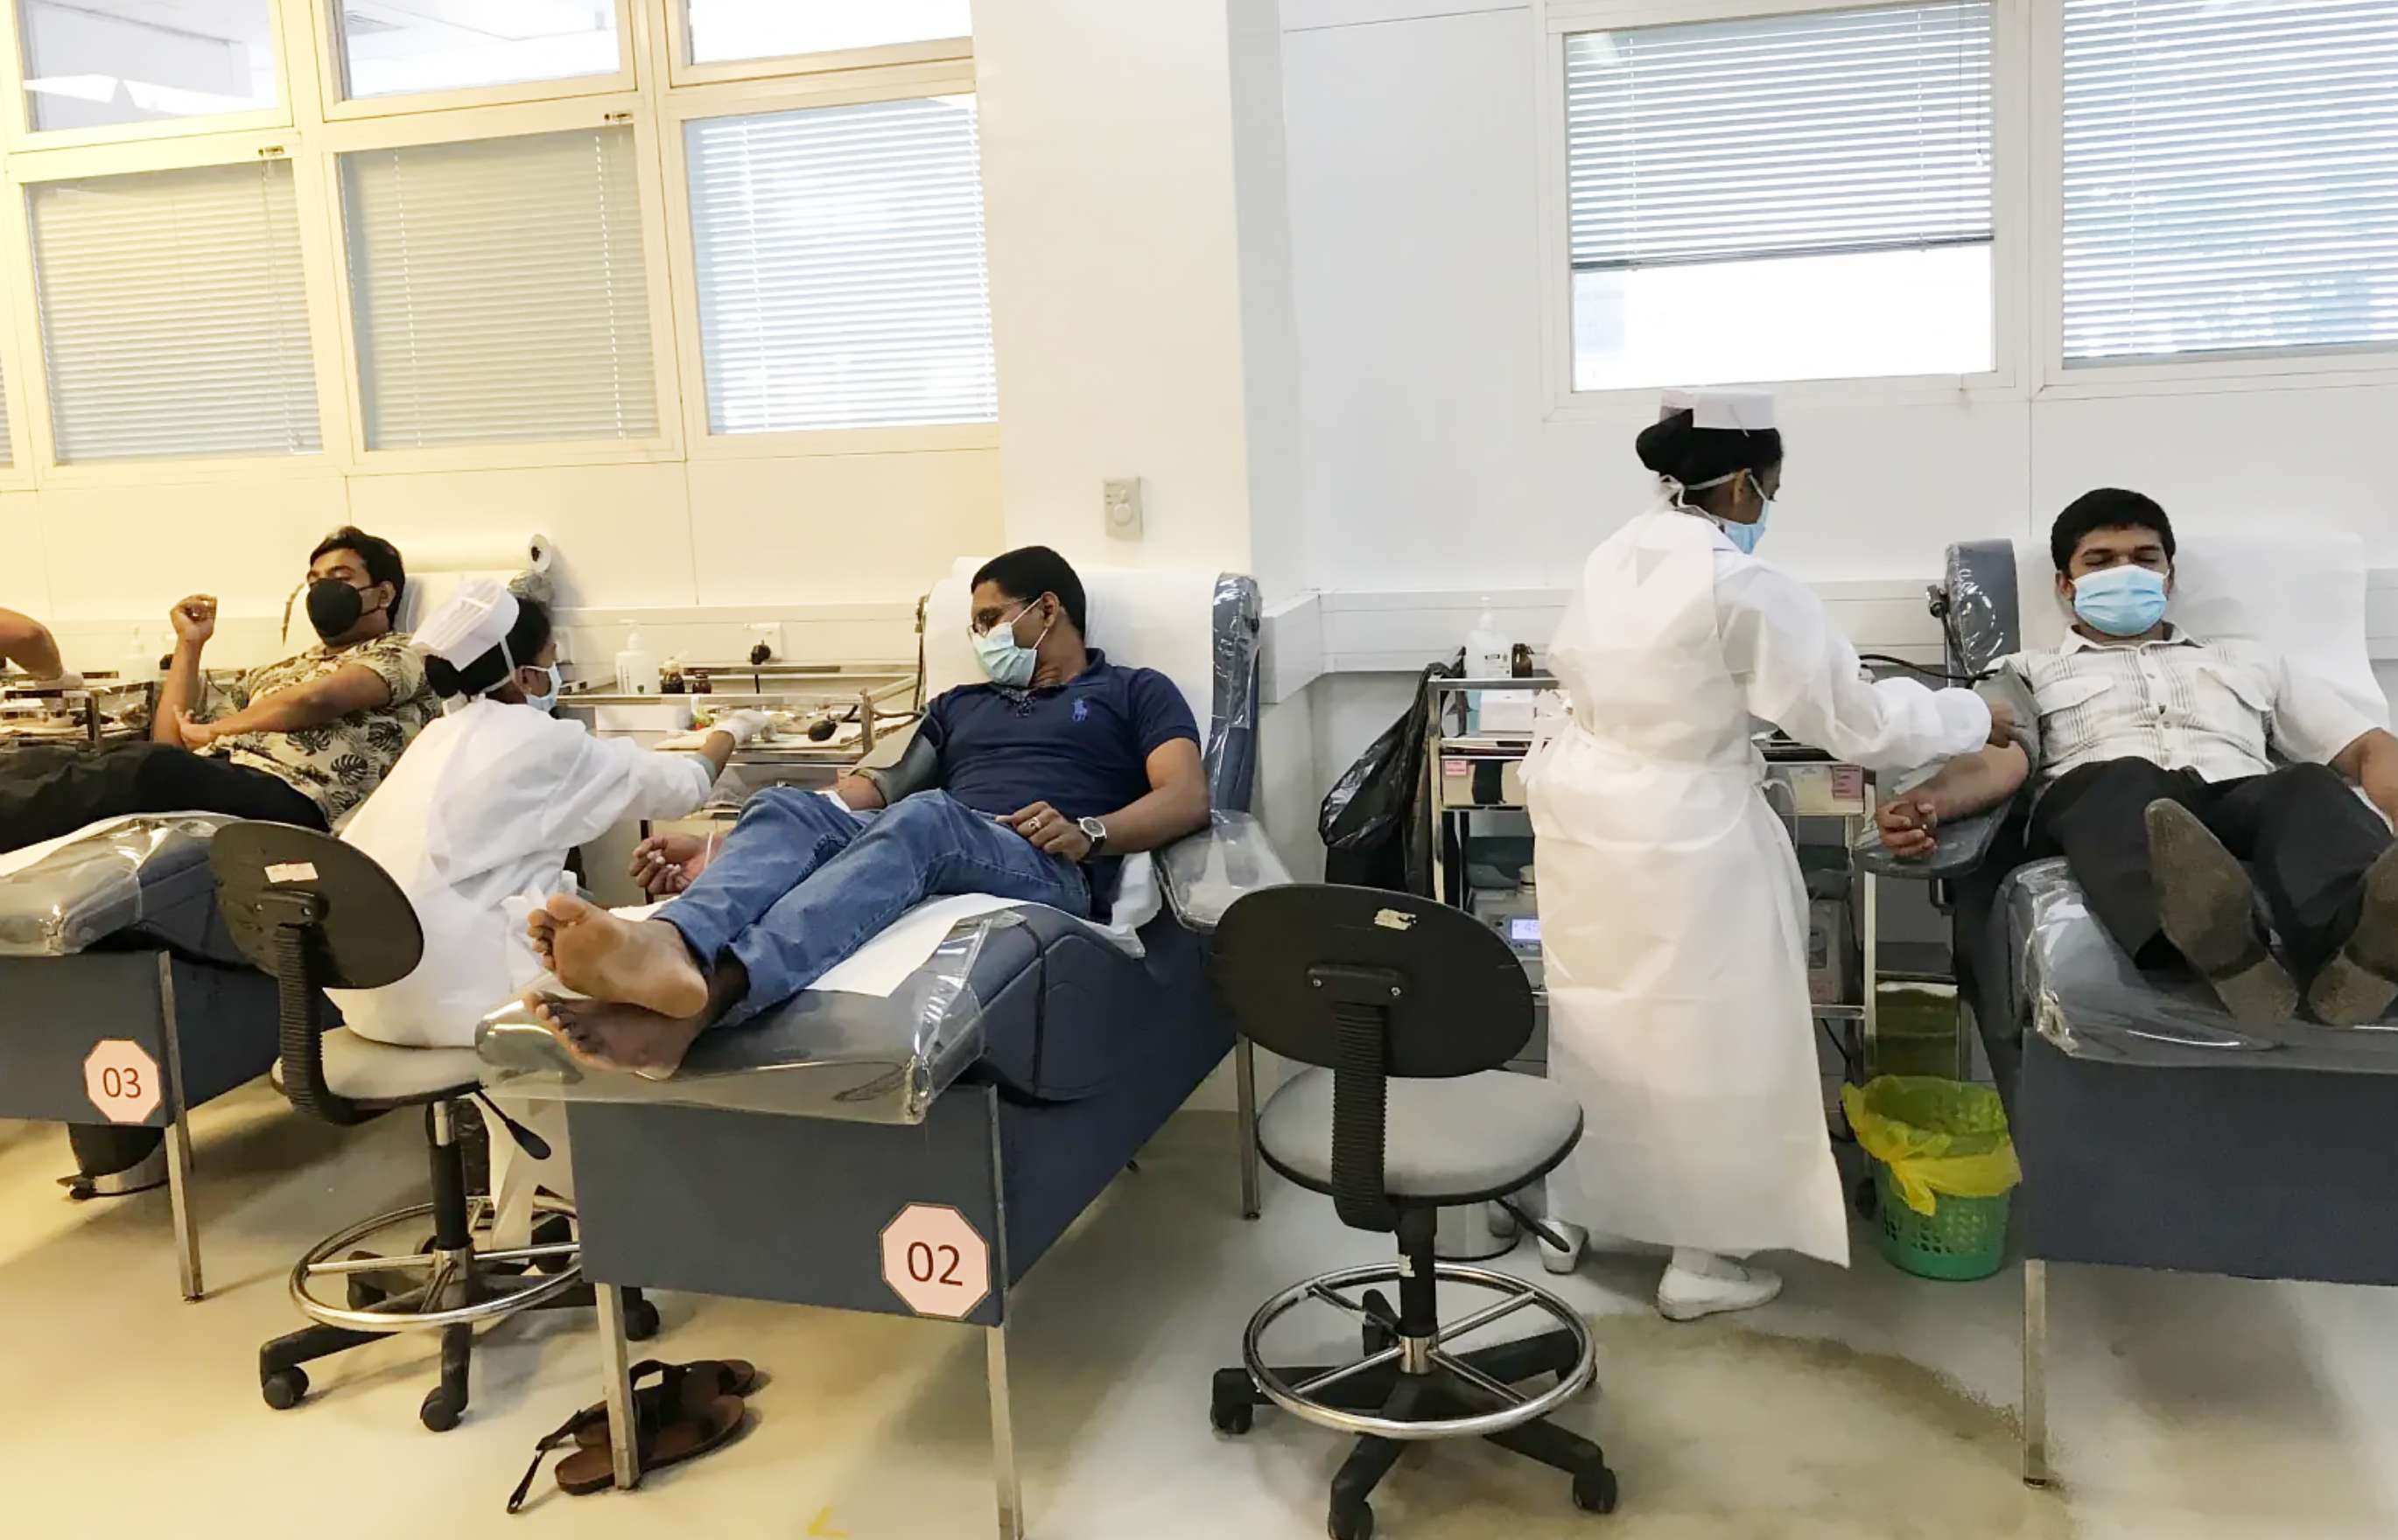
<point>617,1386</point>
<point>1245,1076</point>
<point>1003,1436</point>
<point>2035,1366</point>
<point>179,1142</point>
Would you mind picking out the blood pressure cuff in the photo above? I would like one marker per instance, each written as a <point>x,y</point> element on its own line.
<point>918,770</point>
<point>2007,687</point>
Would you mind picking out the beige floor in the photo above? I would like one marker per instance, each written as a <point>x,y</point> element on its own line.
<point>1863,1404</point>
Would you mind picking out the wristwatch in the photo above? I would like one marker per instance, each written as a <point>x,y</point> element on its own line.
<point>1096,832</point>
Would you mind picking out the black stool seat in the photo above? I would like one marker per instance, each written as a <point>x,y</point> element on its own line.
<point>1469,1140</point>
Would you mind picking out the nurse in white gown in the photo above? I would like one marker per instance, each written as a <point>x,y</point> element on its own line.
<point>1673,917</point>
<point>477,819</point>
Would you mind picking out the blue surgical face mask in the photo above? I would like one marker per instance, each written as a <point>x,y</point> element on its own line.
<point>2121,601</point>
<point>1007,661</point>
<point>1746,536</point>
<point>548,702</point>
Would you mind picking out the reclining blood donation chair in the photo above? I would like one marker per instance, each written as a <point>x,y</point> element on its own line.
<point>915,1146</point>
<point>128,1002</point>
<point>2155,1131</point>
<point>319,914</point>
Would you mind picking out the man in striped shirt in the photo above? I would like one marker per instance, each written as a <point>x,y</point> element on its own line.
<point>2164,761</point>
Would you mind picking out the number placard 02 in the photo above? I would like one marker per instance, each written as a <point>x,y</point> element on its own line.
<point>935,1261</point>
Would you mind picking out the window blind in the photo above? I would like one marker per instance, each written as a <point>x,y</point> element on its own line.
<point>499,290</point>
<point>1780,136</point>
<point>2231,176</point>
<point>839,258</point>
<point>174,319</point>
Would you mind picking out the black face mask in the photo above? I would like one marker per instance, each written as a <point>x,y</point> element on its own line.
<point>334,608</point>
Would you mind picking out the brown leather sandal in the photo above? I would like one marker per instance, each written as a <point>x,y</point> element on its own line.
<point>686,1415</point>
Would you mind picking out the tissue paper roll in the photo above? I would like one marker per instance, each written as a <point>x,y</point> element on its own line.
<point>476,553</point>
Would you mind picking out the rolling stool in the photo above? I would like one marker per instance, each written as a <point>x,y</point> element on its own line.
<point>1407,1007</point>
<point>318,914</point>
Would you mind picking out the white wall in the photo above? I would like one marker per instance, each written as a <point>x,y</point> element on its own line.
<point>1436,462</point>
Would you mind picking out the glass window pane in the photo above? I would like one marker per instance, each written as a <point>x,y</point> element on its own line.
<point>174,319</point>
<point>390,47</point>
<point>500,290</point>
<point>2231,177</point>
<point>724,30</point>
<point>1837,225</point>
<point>98,64</point>
<point>839,257</point>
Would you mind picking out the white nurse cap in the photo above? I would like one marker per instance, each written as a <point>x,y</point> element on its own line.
<point>1742,412</point>
<point>478,618</point>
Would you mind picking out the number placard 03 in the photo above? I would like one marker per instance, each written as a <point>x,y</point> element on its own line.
<point>122,1080</point>
<point>935,1261</point>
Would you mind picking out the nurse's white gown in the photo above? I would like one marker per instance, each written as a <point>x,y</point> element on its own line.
<point>481,810</point>
<point>1672,916</point>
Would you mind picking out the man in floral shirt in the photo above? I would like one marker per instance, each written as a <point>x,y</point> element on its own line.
<point>303,741</point>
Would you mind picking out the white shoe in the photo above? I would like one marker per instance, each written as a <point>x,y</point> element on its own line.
<point>1577,1239</point>
<point>1700,1283</point>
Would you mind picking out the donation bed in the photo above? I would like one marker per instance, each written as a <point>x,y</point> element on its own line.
<point>913,1143</point>
<point>2155,1131</point>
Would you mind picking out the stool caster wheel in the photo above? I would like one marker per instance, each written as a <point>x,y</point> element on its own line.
<point>1355,1523</point>
<point>640,1321</point>
<point>1376,1336</point>
<point>440,1412</point>
<point>1230,1408</point>
<point>1595,1490</point>
<point>285,1388</point>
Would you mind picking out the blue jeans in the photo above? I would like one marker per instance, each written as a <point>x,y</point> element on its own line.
<point>803,882</point>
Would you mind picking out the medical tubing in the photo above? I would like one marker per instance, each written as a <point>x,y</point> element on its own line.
<point>1925,669</point>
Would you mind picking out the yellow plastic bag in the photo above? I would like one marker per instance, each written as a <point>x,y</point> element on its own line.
<point>1936,1136</point>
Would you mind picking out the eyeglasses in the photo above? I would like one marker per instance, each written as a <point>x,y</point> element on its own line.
<point>978,632</point>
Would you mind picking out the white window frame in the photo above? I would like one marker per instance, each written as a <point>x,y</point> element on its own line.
<point>16,118</point>
<point>742,98</point>
<point>34,430</point>
<point>338,106</point>
<point>565,115</point>
<point>2010,196</point>
<point>2293,369</point>
<point>682,72</point>
<point>18,370</point>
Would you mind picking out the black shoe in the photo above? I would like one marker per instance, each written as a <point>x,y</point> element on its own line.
<point>2358,987</point>
<point>2208,906</point>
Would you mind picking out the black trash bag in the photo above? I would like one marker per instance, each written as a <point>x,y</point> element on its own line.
<point>1372,821</point>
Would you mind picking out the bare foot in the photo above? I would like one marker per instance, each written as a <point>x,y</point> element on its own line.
<point>543,931</point>
<point>625,962</point>
<point>619,1037</point>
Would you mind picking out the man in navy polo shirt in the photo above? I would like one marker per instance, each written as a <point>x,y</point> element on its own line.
<point>1032,787</point>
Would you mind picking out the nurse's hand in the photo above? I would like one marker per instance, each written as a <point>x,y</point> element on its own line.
<point>667,863</point>
<point>2002,724</point>
<point>1906,823</point>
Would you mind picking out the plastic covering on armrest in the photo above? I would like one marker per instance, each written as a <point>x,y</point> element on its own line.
<point>1207,871</point>
<point>92,885</point>
<point>860,1058</point>
<point>1232,753</point>
<point>1963,846</point>
<point>2079,990</point>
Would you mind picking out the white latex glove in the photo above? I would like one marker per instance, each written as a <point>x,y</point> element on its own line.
<point>740,725</point>
<point>67,680</point>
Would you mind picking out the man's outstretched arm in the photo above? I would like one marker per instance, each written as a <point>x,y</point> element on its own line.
<point>2372,763</point>
<point>1176,804</point>
<point>1963,787</point>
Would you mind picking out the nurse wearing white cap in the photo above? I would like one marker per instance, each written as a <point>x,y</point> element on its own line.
<point>1672,916</point>
<point>482,810</point>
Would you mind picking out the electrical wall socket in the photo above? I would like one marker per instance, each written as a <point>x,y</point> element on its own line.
<point>1124,514</point>
<point>768,632</point>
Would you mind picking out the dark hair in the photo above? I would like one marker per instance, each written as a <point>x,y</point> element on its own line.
<point>528,636</point>
<point>1674,446</point>
<point>2107,508</point>
<point>1027,573</point>
<point>380,556</point>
